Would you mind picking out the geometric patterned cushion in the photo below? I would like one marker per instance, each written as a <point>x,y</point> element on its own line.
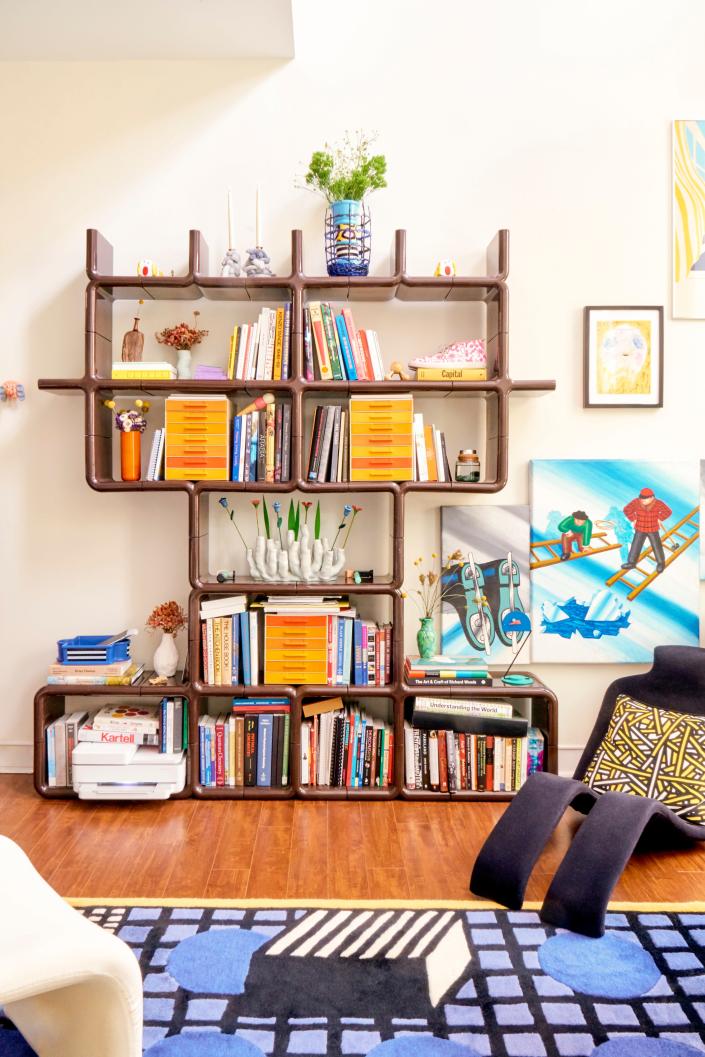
<point>653,752</point>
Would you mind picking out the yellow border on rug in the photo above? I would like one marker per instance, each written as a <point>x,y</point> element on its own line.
<point>695,907</point>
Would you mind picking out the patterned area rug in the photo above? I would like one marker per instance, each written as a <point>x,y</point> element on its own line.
<point>402,981</point>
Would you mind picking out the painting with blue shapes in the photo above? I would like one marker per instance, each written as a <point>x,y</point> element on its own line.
<point>614,558</point>
<point>487,577</point>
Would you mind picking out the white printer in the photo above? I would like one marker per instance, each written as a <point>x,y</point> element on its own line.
<point>126,772</point>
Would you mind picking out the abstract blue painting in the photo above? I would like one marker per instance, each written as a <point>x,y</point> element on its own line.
<point>614,558</point>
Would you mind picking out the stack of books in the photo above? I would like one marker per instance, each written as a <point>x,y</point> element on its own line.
<point>335,350</point>
<point>155,466</point>
<point>95,660</point>
<point>341,745</point>
<point>249,746</point>
<point>447,671</point>
<point>229,642</point>
<point>329,454</point>
<point>478,746</point>
<point>321,640</point>
<point>155,370</point>
<point>206,373</point>
<point>261,449</point>
<point>163,726</point>
<point>430,455</point>
<point>261,351</point>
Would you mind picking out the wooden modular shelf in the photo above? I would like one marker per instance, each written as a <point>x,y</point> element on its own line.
<point>296,288</point>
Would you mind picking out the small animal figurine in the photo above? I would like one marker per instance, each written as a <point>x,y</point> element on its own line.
<point>231,265</point>
<point>396,370</point>
<point>147,267</point>
<point>445,269</point>
<point>133,343</point>
<point>257,262</point>
<point>12,391</point>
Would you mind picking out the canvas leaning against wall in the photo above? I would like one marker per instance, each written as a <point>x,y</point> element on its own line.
<point>689,219</point>
<point>614,559</point>
<point>489,578</point>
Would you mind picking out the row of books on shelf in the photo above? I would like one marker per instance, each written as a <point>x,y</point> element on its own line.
<point>446,761</point>
<point>162,726</point>
<point>247,747</point>
<point>261,351</point>
<point>342,745</point>
<point>317,639</point>
<point>261,448</point>
<point>447,671</point>
<point>335,350</point>
<point>452,745</point>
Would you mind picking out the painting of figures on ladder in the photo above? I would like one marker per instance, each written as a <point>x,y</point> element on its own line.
<point>614,558</point>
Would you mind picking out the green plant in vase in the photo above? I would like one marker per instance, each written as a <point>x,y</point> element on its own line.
<point>345,174</point>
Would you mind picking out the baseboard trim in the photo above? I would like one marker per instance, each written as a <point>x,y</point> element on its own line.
<point>16,757</point>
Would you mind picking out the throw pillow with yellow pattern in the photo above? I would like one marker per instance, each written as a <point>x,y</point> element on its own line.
<point>653,752</point>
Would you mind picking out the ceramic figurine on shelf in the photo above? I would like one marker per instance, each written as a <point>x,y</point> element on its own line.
<point>396,370</point>
<point>12,391</point>
<point>231,266</point>
<point>257,262</point>
<point>182,337</point>
<point>445,269</point>
<point>147,268</point>
<point>133,343</point>
<point>169,618</point>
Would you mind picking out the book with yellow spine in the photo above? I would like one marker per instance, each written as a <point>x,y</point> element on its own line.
<point>278,345</point>
<point>451,374</point>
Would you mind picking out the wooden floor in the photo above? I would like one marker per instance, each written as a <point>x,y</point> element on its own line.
<point>237,849</point>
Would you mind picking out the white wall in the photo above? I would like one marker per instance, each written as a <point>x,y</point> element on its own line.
<point>550,118</point>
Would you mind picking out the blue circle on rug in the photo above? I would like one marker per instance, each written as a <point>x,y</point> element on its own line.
<point>203,1044</point>
<point>415,1046</point>
<point>12,1044</point>
<point>608,967</point>
<point>633,1047</point>
<point>217,961</point>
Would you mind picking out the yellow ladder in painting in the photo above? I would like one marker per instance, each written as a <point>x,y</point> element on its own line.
<point>537,562</point>
<point>677,540</point>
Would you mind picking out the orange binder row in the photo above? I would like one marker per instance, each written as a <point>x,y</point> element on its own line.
<point>381,438</point>
<point>295,649</point>
<point>197,444</point>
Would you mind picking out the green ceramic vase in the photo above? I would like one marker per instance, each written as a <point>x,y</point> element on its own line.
<point>426,638</point>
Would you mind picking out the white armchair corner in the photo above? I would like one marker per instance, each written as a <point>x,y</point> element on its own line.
<point>72,989</point>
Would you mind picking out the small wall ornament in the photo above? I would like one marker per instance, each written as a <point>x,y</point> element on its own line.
<point>12,392</point>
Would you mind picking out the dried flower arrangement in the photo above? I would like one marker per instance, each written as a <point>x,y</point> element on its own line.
<point>182,336</point>
<point>168,617</point>
<point>429,597</point>
<point>127,420</point>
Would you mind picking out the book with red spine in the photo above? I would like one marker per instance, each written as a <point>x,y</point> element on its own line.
<point>363,373</point>
<point>463,768</point>
<point>366,352</point>
<point>219,751</point>
<point>443,764</point>
<point>489,762</point>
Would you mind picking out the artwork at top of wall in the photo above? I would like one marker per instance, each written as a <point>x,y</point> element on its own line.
<point>689,219</point>
<point>623,357</point>
<point>614,558</point>
<point>489,578</point>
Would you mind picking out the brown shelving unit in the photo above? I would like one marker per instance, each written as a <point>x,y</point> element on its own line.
<point>95,385</point>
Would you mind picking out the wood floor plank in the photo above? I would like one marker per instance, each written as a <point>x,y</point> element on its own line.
<point>308,863</point>
<point>262,849</point>
<point>347,856</point>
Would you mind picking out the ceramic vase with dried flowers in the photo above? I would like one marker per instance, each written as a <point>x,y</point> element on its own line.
<point>182,337</point>
<point>429,599</point>
<point>131,424</point>
<point>169,618</point>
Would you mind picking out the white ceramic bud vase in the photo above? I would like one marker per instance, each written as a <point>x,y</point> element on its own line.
<point>166,656</point>
<point>183,363</point>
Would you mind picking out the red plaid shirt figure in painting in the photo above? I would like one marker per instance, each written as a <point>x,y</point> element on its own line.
<point>646,514</point>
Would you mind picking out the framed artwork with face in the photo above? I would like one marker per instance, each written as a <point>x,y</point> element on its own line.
<point>623,357</point>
